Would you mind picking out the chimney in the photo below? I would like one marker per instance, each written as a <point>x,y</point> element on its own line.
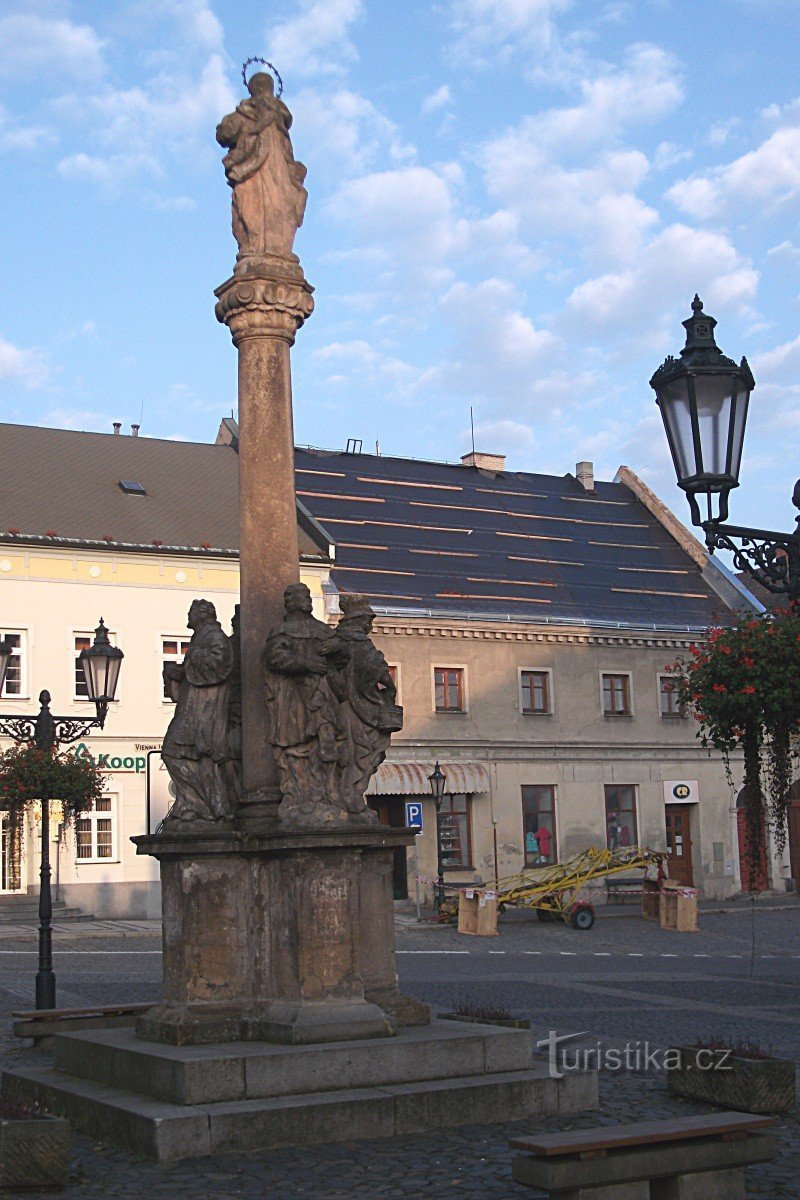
<point>135,430</point>
<point>484,462</point>
<point>584,472</point>
<point>117,427</point>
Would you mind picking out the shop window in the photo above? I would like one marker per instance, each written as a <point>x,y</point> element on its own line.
<point>617,695</point>
<point>620,815</point>
<point>449,689</point>
<point>455,831</point>
<point>94,832</point>
<point>669,697</point>
<point>539,823</point>
<point>15,681</point>
<point>534,690</point>
<point>173,650</point>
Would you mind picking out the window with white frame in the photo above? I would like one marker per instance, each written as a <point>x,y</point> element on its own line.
<point>15,683</point>
<point>669,697</point>
<point>535,694</point>
<point>173,650</point>
<point>95,833</point>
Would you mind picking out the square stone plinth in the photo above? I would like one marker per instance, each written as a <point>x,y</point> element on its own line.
<point>170,1102</point>
<point>284,937</point>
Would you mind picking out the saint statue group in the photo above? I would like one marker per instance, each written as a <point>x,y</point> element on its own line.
<point>331,708</point>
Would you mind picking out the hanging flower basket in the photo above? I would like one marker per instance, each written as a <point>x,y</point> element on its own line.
<point>27,774</point>
<point>743,686</point>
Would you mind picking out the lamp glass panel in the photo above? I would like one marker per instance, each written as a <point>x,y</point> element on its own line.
<point>739,420</point>
<point>714,404</point>
<point>676,411</point>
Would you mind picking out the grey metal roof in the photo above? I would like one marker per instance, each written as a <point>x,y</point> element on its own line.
<point>445,538</point>
<point>57,481</point>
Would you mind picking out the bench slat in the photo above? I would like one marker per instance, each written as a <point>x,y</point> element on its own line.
<point>642,1133</point>
<point>95,1010</point>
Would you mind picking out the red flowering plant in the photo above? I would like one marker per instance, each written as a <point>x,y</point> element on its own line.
<point>743,685</point>
<point>27,774</point>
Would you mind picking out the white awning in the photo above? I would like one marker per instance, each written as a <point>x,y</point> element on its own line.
<point>411,779</point>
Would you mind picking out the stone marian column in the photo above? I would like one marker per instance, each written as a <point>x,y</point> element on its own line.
<point>277,926</point>
<point>263,304</point>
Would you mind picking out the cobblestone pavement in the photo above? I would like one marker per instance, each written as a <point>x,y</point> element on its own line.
<point>624,981</point>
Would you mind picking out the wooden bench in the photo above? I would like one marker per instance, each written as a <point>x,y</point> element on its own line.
<point>690,1158</point>
<point>42,1024</point>
<point>618,889</point>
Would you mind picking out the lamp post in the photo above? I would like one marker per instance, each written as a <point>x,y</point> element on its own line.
<point>703,397</point>
<point>438,780</point>
<point>101,663</point>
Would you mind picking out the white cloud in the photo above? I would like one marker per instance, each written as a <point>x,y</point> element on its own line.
<point>360,360</point>
<point>140,129</point>
<point>436,100</point>
<point>26,367</point>
<point>595,199</point>
<point>77,418</point>
<point>596,203</point>
<point>668,154</point>
<point>785,249</point>
<point>30,45</point>
<point>408,211</point>
<point>14,136</point>
<point>665,275</point>
<point>780,364</point>
<point>646,88</point>
<point>498,349</point>
<point>501,437</point>
<point>768,175</point>
<point>344,131</point>
<point>317,40</point>
<point>486,29</point>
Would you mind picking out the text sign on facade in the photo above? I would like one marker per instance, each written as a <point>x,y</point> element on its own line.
<point>681,791</point>
<point>413,815</point>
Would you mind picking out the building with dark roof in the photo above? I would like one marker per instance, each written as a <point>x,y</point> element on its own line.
<point>528,618</point>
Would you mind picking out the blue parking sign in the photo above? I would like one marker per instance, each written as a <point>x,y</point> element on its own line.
<point>414,815</point>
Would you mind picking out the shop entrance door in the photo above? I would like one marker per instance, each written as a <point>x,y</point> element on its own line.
<point>391,811</point>
<point>679,843</point>
<point>793,824</point>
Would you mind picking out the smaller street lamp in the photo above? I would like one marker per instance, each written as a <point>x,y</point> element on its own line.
<point>101,664</point>
<point>704,397</point>
<point>438,781</point>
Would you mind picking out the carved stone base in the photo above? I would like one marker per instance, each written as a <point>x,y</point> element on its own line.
<point>295,1023</point>
<point>277,937</point>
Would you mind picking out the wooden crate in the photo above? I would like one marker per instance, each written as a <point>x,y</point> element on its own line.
<point>477,912</point>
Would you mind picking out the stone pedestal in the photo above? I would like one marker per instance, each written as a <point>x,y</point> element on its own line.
<point>284,937</point>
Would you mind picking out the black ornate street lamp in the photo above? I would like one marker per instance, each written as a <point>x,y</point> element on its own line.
<point>438,780</point>
<point>703,397</point>
<point>101,663</point>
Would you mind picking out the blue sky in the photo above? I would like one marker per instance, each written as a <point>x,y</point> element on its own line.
<point>511,205</point>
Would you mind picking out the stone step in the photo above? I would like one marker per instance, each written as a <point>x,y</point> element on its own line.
<point>166,1132</point>
<point>255,1070</point>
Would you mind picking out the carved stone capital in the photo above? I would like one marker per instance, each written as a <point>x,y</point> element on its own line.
<point>265,298</point>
